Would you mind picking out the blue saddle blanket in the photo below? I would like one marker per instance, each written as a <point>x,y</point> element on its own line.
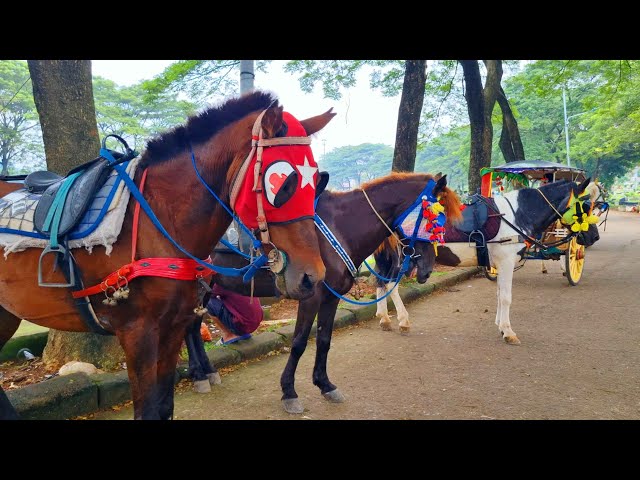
<point>110,202</point>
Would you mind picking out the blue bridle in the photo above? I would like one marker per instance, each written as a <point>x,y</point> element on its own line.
<point>408,251</point>
<point>248,272</point>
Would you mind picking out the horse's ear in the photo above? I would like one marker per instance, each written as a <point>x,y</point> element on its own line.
<point>321,184</point>
<point>437,176</point>
<point>440,184</point>
<point>583,186</point>
<point>272,121</point>
<point>315,124</point>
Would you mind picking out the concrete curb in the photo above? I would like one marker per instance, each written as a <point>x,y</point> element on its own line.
<point>79,394</point>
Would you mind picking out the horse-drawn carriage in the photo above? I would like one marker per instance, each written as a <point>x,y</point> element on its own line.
<point>556,242</point>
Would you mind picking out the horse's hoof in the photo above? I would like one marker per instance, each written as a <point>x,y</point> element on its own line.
<point>214,378</point>
<point>201,386</point>
<point>386,326</point>
<point>334,396</point>
<point>404,330</point>
<point>292,405</point>
<point>512,340</point>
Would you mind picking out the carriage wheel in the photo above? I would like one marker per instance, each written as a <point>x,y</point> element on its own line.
<point>574,261</point>
<point>491,273</point>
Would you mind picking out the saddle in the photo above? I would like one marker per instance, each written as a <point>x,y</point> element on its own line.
<point>92,175</point>
<point>480,223</point>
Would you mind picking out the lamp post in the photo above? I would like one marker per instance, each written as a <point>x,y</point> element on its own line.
<point>566,123</point>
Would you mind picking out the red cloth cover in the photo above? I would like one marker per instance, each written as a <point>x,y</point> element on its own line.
<point>278,162</point>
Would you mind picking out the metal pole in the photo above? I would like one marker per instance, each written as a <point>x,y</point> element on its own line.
<point>566,126</point>
<point>246,76</point>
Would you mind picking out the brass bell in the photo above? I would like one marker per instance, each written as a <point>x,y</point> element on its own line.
<point>200,311</point>
<point>112,302</point>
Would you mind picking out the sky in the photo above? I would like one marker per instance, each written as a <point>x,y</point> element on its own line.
<point>363,115</point>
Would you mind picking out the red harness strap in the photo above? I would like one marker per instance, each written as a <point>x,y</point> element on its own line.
<point>175,268</point>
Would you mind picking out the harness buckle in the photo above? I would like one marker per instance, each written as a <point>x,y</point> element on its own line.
<point>406,247</point>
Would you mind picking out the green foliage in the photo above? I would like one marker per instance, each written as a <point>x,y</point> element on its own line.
<point>335,75</point>
<point>352,165</point>
<point>200,79</point>
<point>127,112</point>
<point>20,135</point>
<point>602,106</point>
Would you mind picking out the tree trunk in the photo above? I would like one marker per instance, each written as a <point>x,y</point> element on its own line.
<point>404,154</point>
<point>63,95</point>
<point>475,107</point>
<point>489,97</point>
<point>510,141</point>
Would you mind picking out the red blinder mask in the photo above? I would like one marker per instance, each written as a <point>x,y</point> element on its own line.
<point>287,184</point>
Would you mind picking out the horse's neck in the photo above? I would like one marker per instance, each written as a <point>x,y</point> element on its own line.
<point>184,206</point>
<point>354,222</point>
<point>532,212</point>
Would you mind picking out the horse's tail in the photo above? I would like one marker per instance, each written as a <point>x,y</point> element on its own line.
<point>452,204</point>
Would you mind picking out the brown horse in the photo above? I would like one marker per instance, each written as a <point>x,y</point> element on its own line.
<point>151,324</point>
<point>354,222</point>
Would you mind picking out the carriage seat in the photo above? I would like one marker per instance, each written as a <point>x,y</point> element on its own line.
<point>88,179</point>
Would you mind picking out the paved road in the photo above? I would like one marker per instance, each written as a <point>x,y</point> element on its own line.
<point>579,358</point>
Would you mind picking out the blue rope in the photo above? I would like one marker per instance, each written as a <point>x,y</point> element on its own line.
<point>133,188</point>
<point>256,243</point>
<point>234,249</point>
<point>333,241</point>
<point>363,303</point>
<point>384,279</point>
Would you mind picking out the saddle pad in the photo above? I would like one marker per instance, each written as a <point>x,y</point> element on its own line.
<point>100,225</point>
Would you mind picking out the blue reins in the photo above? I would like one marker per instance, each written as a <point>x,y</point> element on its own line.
<point>247,271</point>
<point>428,191</point>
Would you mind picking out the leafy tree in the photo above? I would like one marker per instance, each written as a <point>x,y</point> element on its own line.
<point>352,165</point>
<point>126,111</point>
<point>200,79</point>
<point>20,145</point>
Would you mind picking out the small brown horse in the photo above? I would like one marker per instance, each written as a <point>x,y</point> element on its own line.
<point>355,224</point>
<point>151,324</point>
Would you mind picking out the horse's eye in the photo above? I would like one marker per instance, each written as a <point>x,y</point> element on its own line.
<point>280,182</point>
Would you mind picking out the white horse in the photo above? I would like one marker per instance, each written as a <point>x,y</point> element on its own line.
<point>530,211</point>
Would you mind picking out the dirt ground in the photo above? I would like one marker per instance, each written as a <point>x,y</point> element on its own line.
<point>579,358</point>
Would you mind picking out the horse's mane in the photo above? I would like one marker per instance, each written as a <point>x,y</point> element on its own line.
<point>448,198</point>
<point>391,243</point>
<point>201,127</point>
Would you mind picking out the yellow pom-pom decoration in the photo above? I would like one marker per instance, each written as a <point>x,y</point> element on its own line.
<point>575,227</point>
<point>584,226</point>
<point>593,219</point>
<point>437,208</point>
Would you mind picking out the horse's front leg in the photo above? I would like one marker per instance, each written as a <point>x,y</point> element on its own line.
<point>401,311</point>
<point>307,310</point>
<point>505,262</point>
<point>171,336</point>
<point>326,316</point>
<point>9,323</point>
<point>139,339</point>
<point>382,311</point>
